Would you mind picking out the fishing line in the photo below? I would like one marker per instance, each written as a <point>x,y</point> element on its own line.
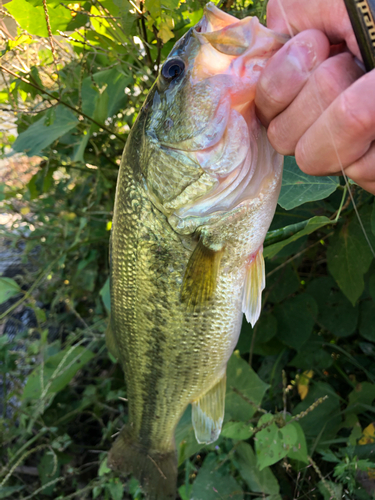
<point>319,100</point>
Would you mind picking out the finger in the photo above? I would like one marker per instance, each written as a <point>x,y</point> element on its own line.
<point>287,72</point>
<point>346,130</point>
<point>330,17</point>
<point>363,170</point>
<point>328,81</point>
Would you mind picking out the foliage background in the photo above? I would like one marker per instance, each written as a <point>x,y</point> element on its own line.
<point>74,76</point>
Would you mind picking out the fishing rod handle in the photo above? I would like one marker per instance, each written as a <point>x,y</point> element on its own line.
<point>362,17</point>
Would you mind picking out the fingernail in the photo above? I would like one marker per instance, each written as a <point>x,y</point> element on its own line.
<point>302,56</point>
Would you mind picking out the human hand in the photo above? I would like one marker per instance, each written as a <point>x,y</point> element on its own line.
<point>315,106</point>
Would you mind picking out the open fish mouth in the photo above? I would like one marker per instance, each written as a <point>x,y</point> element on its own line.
<point>224,38</point>
<point>229,146</point>
<point>228,63</point>
<point>223,31</point>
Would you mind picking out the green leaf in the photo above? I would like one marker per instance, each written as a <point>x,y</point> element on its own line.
<point>58,371</point>
<point>366,319</point>
<point>40,182</point>
<point>264,342</point>
<point>40,316</point>
<point>6,491</point>
<point>371,286</point>
<point>116,83</point>
<point>134,488</point>
<point>106,296</point>
<point>239,431</point>
<point>258,481</point>
<point>325,419</point>
<point>96,491</point>
<point>85,279</point>
<point>79,149</point>
<point>186,442</point>
<point>33,77</point>
<point>336,314</point>
<point>242,383</point>
<point>128,18</point>
<point>103,468</point>
<point>373,219</point>
<point>211,484</point>
<point>26,39</point>
<point>282,283</point>
<point>312,355</point>
<point>154,7</point>
<point>273,443</point>
<point>8,288</point>
<point>32,18</point>
<point>362,394</point>
<point>336,488</point>
<point>349,255</point>
<point>185,491</point>
<point>329,456</point>
<point>48,471</point>
<point>101,109</point>
<point>299,188</point>
<point>265,330</point>
<point>312,225</point>
<point>98,111</point>
<point>295,319</point>
<point>298,451</point>
<point>115,488</point>
<point>38,136</point>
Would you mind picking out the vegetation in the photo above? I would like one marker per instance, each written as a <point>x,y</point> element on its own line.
<point>301,385</point>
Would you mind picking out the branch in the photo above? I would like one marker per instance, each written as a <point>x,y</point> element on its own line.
<point>158,45</point>
<point>64,103</point>
<point>144,35</point>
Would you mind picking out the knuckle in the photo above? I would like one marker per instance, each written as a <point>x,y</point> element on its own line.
<point>363,169</point>
<point>302,160</point>
<point>329,80</point>
<point>280,138</point>
<point>272,93</point>
<point>272,6</point>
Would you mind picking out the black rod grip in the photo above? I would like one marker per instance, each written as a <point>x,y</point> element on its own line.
<point>362,17</point>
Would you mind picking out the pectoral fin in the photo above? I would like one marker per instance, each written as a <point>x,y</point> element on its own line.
<point>110,341</point>
<point>254,285</point>
<point>201,276</point>
<point>208,413</point>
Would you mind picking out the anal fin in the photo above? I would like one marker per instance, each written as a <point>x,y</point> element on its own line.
<point>254,285</point>
<point>201,276</point>
<point>208,413</point>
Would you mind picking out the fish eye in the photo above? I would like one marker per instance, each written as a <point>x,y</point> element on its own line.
<point>173,68</point>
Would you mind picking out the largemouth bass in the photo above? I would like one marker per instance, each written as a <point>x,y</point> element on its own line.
<point>197,189</point>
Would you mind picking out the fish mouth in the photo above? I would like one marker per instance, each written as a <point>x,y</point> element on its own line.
<point>214,19</point>
<point>232,36</point>
<point>224,32</point>
<point>230,147</point>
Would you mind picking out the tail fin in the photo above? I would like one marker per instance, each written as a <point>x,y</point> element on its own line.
<point>156,472</point>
